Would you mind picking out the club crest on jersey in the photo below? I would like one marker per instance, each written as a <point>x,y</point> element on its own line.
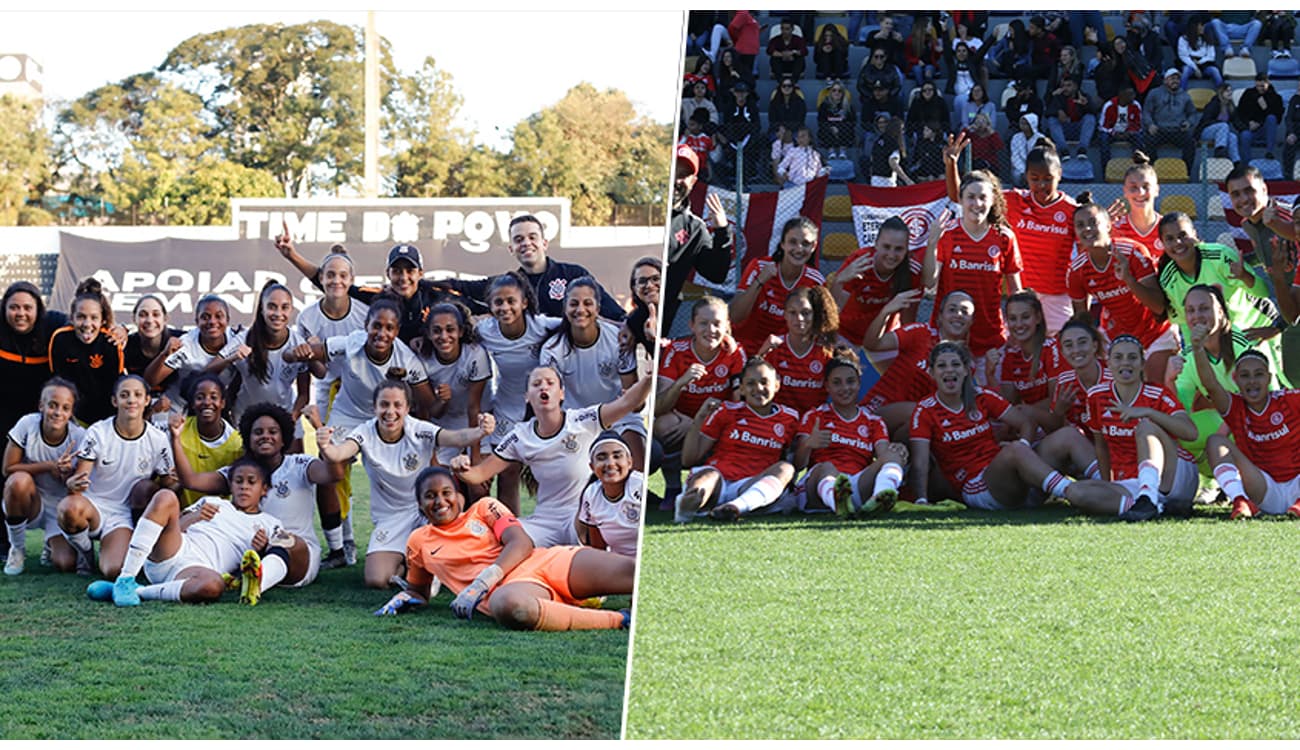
<point>1058,217</point>
<point>477,528</point>
<point>143,466</point>
<point>994,250</point>
<point>282,489</point>
<point>607,369</point>
<point>411,461</point>
<point>632,513</point>
<point>557,287</point>
<point>571,443</point>
<point>1276,419</point>
<point>779,430</point>
<point>720,371</point>
<point>863,431</point>
<point>96,361</point>
<point>815,368</point>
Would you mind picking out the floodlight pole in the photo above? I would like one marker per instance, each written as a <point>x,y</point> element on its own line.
<point>370,188</point>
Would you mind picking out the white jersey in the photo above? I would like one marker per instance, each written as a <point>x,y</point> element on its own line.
<point>281,376</point>
<point>292,498</point>
<point>473,366</point>
<point>26,434</point>
<point>189,359</point>
<point>313,322</point>
<point>392,467</point>
<point>223,539</point>
<point>514,359</point>
<point>590,374</point>
<point>359,375</point>
<point>121,462</point>
<point>618,518</point>
<point>560,465</point>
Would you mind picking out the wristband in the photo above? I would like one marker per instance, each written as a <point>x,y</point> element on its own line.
<point>1026,442</point>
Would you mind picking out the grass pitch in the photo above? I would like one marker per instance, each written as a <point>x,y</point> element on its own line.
<point>931,623</point>
<point>304,663</point>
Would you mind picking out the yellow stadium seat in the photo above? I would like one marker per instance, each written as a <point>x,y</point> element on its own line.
<point>1170,169</point>
<point>691,290</point>
<point>844,32</point>
<point>1217,168</point>
<point>689,67</point>
<point>837,208</point>
<point>1184,203</point>
<point>1201,97</point>
<point>1239,67</point>
<point>1116,167</point>
<point>839,245</point>
<point>821,96</point>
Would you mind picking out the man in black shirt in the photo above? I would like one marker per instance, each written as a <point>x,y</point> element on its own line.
<point>693,245</point>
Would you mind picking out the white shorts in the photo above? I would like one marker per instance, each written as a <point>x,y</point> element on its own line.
<point>634,422</point>
<point>975,494</point>
<point>1280,495</point>
<point>1187,480</point>
<point>727,490</point>
<point>188,556</point>
<point>48,519</point>
<point>546,531</point>
<point>313,565</point>
<point>1057,310</point>
<point>390,533</point>
<point>1168,342</point>
<point>504,427</point>
<point>112,516</point>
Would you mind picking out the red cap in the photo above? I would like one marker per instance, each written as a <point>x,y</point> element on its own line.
<point>687,154</point>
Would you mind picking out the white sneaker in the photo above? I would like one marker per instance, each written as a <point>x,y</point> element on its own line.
<point>1243,53</point>
<point>16,561</point>
<point>1285,53</point>
<point>1277,53</point>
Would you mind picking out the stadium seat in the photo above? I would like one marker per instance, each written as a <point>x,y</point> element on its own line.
<point>1184,203</point>
<point>1214,208</point>
<point>1200,97</point>
<point>1239,67</point>
<point>1295,173</point>
<point>1236,96</point>
<point>1078,170</point>
<point>775,31</point>
<point>837,208</point>
<point>821,96</point>
<point>1169,169</point>
<point>1116,167</point>
<point>839,245</point>
<point>690,63</point>
<point>691,290</point>
<point>1271,169</point>
<point>1283,67</point>
<point>1217,168</point>
<point>999,31</point>
<point>844,32</point>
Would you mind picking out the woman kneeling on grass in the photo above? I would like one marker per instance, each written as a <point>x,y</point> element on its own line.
<point>1136,426</point>
<point>848,449</point>
<point>485,556</point>
<point>956,425</point>
<point>188,556</point>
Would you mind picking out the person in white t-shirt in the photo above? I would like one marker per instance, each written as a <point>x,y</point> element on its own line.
<point>394,447</point>
<point>609,511</point>
<point>554,446</point>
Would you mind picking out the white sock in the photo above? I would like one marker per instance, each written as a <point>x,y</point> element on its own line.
<point>346,528</point>
<point>1149,481</point>
<point>1055,484</point>
<point>763,492</point>
<point>334,538</point>
<point>1229,480</point>
<point>274,570</point>
<point>143,539</point>
<point>17,534</point>
<point>1093,471</point>
<point>167,592</point>
<point>826,491</point>
<point>890,477</point>
<point>79,540</point>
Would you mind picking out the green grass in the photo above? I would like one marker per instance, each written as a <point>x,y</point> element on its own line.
<point>931,623</point>
<point>309,663</point>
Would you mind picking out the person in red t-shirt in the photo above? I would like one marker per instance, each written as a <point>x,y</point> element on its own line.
<point>907,380</point>
<point>1136,426</point>
<point>1023,368</point>
<point>758,308</point>
<point>871,276</point>
<point>955,424</point>
<point>1134,216</point>
<point>848,449</point>
<point>738,450</point>
<point>485,556</point>
<point>1257,468</point>
<point>800,356</point>
<point>1121,276</point>
<point>977,254</point>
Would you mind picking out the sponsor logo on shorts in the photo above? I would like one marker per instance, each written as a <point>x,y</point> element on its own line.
<point>381,535</point>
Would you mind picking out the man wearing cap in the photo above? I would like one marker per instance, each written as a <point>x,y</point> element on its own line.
<point>1168,116</point>
<point>693,245</point>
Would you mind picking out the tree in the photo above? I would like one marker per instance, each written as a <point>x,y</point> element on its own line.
<point>593,147</point>
<point>425,147</point>
<point>23,161</point>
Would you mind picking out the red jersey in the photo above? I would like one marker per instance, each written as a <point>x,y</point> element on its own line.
<point>853,443</point>
<point>722,374</point>
<point>868,294</point>
<point>803,384</point>
<point>1015,369</point>
<point>1123,229</point>
<point>961,443</point>
<point>908,376</point>
<point>978,267</point>
<point>748,442</point>
<point>1046,235</point>
<point>1118,433</point>
<point>701,144</point>
<point>1266,437</point>
<point>767,316</point>
<point>1121,310</point>
<point>1077,414</point>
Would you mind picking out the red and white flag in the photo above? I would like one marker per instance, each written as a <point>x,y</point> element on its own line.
<point>1284,192</point>
<point>918,205</point>
<point>760,217</point>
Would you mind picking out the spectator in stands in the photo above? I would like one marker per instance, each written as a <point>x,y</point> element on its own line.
<point>1118,65</point>
<point>1121,120</point>
<point>1260,110</point>
<point>836,123</point>
<point>964,69</point>
<point>802,164</point>
<point>927,108</point>
<point>693,245</point>
<point>885,161</point>
<point>968,26</point>
<point>786,107</point>
<point>922,52</point>
<point>928,162</point>
<point>881,102</point>
<point>1144,39</point>
<point>1021,143</point>
<point>986,146</point>
<point>787,53</point>
<point>1012,51</point>
<point>1221,124</point>
<point>975,104</point>
<point>1278,31</point>
<point>1196,52</point>
<point>1087,28</point>
<point>878,70</point>
<point>1043,50</point>
<point>1071,114</point>
<point>1241,24</point>
<point>1024,102</point>
<point>889,40</point>
<point>699,141</point>
<point>1067,65</point>
<point>730,72</point>
<point>743,32</point>
<point>831,55</point>
<point>742,129</point>
<point>781,146</point>
<point>1176,22</point>
<point>1169,115</point>
<point>699,99</point>
<point>1292,139</point>
<point>703,73</point>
